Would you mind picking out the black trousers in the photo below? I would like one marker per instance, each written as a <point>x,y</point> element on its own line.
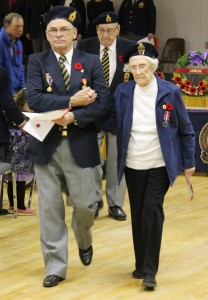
<point>147,189</point>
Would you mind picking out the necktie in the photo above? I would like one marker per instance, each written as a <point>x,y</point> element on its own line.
<point>64,72</point>
<point>105,63</point>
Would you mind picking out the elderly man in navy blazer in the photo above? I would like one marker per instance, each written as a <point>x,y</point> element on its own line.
<point>59,78</point>
<point>108,31</point>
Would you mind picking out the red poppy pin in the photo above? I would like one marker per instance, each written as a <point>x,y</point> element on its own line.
<point>78,66</point>
<point>169,106</point>
<point>18,51</point>
<point>120,58</point>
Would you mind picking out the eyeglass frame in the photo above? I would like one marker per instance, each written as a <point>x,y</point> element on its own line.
<point>108,31</point>
<point>60,30</point>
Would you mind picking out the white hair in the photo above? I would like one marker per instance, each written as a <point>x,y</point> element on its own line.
<point>154,62</point>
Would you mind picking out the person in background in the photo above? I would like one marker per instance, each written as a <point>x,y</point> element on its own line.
<point>137,19</point>
<point>11,51</point>
<point>23,169</point>
<point>61,78</point>
<point>156,142</point>
<point>80,6</point>
<point>94,9</point>
<point>34,27</point>
<point>108,36</point>
<point>13,114</point>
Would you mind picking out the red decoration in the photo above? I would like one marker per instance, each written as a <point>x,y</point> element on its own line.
<point>38,125</point>
<point>78,66</point>
<point>18,51</point>
<point>169,106</point>
<point>120,58</point>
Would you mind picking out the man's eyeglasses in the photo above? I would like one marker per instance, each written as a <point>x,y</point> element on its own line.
<point>54,31</point>
<point>108,31</point>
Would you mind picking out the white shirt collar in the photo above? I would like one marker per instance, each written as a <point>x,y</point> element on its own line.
<point>68,55</point>
<point>112,47</point>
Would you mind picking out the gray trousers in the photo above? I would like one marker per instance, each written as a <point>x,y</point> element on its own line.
<point>114,194</point>
<point>63,170</point>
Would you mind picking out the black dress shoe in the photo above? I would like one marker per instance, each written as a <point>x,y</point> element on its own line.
<point>137,274</point>
<point>86,256</point>
<point>117,213</point>
<point>149,282</point>
<point>52,280</point>
<point>98,204</point>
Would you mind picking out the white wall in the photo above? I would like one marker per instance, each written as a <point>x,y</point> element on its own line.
<point>186,19</point>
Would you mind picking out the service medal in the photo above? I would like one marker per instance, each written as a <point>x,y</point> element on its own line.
<point>166,118</point>
<point>84,82</point>
<point>49,81</point>
<point>165,124</point>
<point>141,5</point>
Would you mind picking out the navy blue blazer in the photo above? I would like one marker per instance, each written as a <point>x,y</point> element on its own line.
<point>8,106</point>
<point>92,45</point>
<point>83,138</point>
<point>177,140</point>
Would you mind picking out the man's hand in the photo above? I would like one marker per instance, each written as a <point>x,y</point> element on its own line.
<point>83,97</point>
<point>67,119</point>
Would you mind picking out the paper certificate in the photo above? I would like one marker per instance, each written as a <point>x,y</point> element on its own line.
<point>40,124</point>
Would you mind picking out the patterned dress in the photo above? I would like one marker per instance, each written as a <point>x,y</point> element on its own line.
<point>23,168</point>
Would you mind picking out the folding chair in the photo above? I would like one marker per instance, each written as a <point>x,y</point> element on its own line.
<point>5,169</point>
<point>174,48</point>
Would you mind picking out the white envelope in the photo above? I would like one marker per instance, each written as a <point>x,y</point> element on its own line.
<point>40,124</point>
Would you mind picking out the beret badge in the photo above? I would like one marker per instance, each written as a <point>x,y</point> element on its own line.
<point>72,16</point>
<point>141,49</point>
<point>108,19</point>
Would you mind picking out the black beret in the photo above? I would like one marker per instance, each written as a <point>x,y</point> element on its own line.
<point>145,49</point>
<point>106,18</point>
<point>69,14</point>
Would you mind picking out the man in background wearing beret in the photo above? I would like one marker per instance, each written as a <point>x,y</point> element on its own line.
<point>61,78</point>
<point>108,30</point>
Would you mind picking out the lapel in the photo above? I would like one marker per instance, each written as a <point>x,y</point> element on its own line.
<point>163,90</point>
<point>77,75</point>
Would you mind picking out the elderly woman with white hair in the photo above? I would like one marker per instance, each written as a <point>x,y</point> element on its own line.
<point>156,142</point>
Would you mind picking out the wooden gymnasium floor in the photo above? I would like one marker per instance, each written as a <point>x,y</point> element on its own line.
<point>183,272</point>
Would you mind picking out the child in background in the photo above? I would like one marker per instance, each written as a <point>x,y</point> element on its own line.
<point>23,169</point>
